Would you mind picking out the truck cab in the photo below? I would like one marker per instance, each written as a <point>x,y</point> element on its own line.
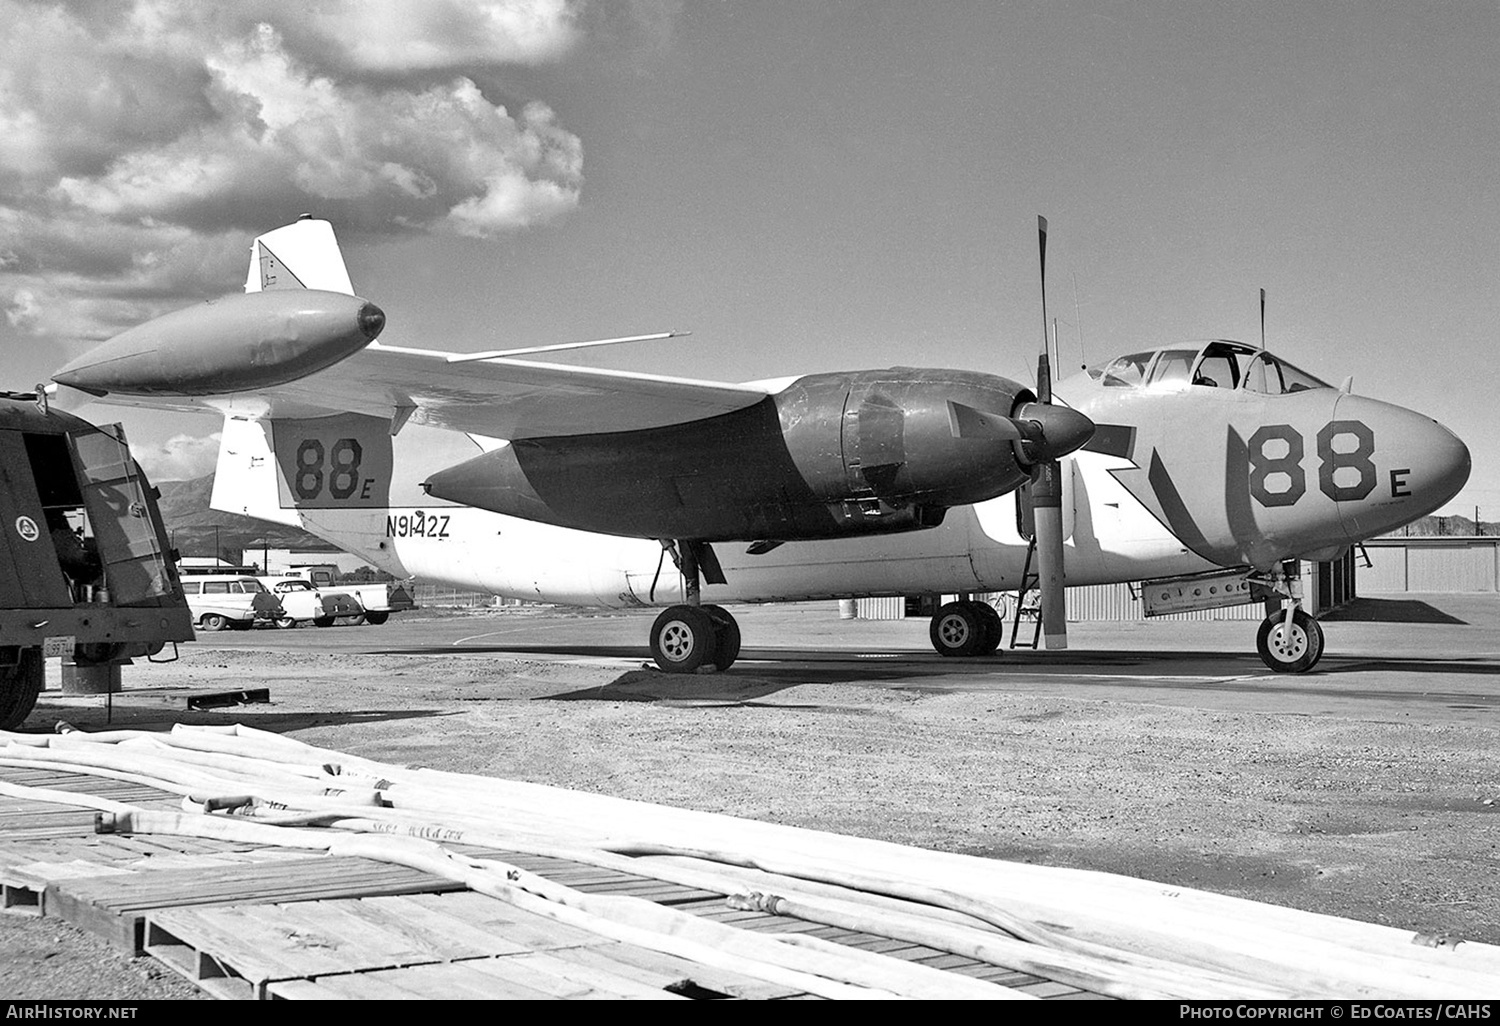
<point>86,571</point>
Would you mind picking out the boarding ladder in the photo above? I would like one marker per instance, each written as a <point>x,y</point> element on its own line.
<point>1028,603</point>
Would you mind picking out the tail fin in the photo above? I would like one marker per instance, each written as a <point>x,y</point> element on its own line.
<point>301,255</point>
<point>284,469</point>
<point>330,476</point>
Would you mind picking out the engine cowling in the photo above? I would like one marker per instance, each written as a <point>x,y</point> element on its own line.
<point>831,455</point>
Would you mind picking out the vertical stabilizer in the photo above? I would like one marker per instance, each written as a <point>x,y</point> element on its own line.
<point>246,480</point>
<point>301,255</point>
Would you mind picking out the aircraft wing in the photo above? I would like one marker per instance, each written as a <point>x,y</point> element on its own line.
<point>501,398</point>
<point>221,356</point>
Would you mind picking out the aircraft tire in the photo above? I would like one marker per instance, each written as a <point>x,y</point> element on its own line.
<point>994,628</point>
<point>957,630</point>
<point>19,687</point>
<point>726,636</point>
<point>682,639</point>
<point>1297,653</point>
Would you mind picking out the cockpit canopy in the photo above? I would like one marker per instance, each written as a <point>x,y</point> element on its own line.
<point>1217,364</point>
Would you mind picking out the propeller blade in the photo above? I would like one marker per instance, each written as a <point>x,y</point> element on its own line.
<point>1046,504</point>
<point>1043,364</point>
<point>1062,430</point>
<point>1263,318</point>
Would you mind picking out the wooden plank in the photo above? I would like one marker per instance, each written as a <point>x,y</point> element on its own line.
<point>667,969</point>
<point>1048,989</point>
<point>458,980</point>
<point>349,987</point>
<point>123,933</point>
<point>948,960</point>
<point>357,941</point>
<point>652,890</point>
<point>568,980</point>
<point>260,942</point>
<point>451,937</point>
<point>525,928</point>
<point>308,878</point>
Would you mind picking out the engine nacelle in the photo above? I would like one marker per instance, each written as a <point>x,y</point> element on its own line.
<point>234,344</point>
<point>832,455</point>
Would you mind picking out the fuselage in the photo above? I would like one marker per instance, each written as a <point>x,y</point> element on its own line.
<point>1181,476</point>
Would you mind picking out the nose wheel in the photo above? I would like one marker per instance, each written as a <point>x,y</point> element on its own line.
<point>1294,648</point>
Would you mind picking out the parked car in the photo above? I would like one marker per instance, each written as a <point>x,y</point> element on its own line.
<point>218,601</point>
<point>378,601</point>
<point>302,601</point>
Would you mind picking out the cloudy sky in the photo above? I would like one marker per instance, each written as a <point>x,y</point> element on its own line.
<point>804,186</point>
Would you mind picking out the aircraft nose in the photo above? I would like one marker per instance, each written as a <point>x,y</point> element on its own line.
<point>1417,465</point>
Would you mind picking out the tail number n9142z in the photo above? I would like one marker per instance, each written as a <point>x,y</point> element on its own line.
<point>416,524</point>
<point>1276,475</point>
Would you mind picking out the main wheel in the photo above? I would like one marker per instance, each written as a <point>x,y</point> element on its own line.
<point>213,622</point>
<point>994,628</point>
<point>1290,651</point>
<point>682,639</point>
<point>957,630</point>
<point>726,636</point>
<point>20,684</point>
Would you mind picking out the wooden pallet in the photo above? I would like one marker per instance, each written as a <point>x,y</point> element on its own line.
<point>454,945</point>
<point>115,908</point>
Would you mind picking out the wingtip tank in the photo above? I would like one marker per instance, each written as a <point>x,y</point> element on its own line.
<point>234,344</point>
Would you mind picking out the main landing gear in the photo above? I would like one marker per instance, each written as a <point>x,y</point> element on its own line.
<point>693,635</point>
<point>965,628</point>
<point>1289,641</point>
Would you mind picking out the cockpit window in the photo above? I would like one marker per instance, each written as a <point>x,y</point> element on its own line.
<point>1128,370</point>
<point>1173,365</point>
<point>1219,364</point>
<point>1272,376</point>
<point>1295,380</point>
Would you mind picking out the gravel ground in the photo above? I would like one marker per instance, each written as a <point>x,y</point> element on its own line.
<point>1388,819</point>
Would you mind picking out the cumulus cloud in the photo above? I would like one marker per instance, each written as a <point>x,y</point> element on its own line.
<point>146,141</point>
<point>179,458</point>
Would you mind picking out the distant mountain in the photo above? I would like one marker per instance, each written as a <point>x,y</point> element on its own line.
<point>1429,527</point>
<point>195,530</point>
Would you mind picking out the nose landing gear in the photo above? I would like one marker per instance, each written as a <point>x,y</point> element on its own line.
<point>1289,640</point>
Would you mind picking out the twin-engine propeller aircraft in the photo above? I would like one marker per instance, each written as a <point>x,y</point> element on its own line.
<point>1214,464</point>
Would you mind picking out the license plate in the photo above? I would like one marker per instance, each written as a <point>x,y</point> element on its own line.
<point>60,646</point>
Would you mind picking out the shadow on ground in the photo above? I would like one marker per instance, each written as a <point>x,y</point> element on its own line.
<point>1391,611</point>
<point>697,688</point>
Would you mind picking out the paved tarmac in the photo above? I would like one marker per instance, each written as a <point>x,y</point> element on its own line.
<point>1432,657</point>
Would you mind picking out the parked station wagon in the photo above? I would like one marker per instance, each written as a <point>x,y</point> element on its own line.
<point>230,600</point>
